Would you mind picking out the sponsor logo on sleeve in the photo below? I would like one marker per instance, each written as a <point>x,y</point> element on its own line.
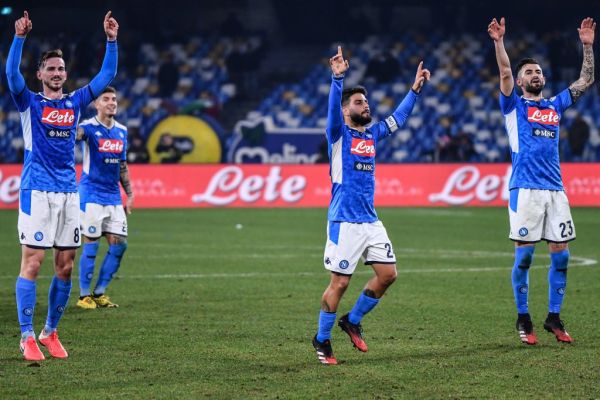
<point>361,147</point>
<point>58,116</point>
<point>543,116</point>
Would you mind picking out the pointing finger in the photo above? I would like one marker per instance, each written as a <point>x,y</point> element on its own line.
<point>107,16</point>
<point>339,50</point>
<point>25,14</point>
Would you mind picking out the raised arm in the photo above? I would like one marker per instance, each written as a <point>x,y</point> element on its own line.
<point>586,77</point>
<point>335,120</point>
<point>496,31</point>
<point>109,65</point>
<point>16,82</point>
<point>405,108</point>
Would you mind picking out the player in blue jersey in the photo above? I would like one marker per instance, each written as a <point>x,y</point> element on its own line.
<point>354,230</point>
<point>538,207</point>
<point>49,203</point>
<point>104,143</point>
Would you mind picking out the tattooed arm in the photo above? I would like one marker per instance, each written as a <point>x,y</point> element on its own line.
<point>126,183</point>
<point>586,78</point>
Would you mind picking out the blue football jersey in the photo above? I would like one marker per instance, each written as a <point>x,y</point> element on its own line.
<point>49,132</point>
<point>533,133</point>
<point>352,158</point>
<point>103,150</point>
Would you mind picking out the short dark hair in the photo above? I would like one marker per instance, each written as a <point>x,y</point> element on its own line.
<point>524,61</point>
<point>347,93</point>
<point>49,54</point>
<point>108,89</point>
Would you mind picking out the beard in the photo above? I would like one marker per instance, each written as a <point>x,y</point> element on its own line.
<point>54,85</point>
<point>361,120</point>
<point>534,89</point>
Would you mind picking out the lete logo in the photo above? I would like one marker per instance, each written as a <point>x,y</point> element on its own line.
<point>229,185</point>
<point>363,147</point>
<point>110,146</point>
<point>466,184</point>
<point>9,188</point>
<point>58,116</point>
<point>544,116</point>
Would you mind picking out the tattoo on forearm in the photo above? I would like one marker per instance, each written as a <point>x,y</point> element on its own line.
<point>124,174</point>
<point>586,77</point>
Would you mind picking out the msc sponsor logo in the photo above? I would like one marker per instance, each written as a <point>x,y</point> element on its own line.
<point>364,167</point>
<point>58,117</point>
<point>111,161</point>
<point>344,264</point>
<point>58,133</point>
<point>362,147</point>
<point>543,116</point>
<point>523,232</point>
<point>545,133</point>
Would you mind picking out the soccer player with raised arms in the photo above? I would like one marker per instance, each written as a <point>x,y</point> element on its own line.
<point>538,206</point>
<point>49,202</point>
<point>104,143</point>
<point>354,230</point>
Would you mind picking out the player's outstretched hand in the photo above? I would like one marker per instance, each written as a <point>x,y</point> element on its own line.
<point>111,26</point>
<point>23,25</point>
<point>587,30</point>
<point>497,30</point>
<point>423,75</point>
<point>338,64</point>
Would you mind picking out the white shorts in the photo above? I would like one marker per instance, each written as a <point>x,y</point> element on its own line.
<point>540,215</point>
<point>49,219</point>
<point>347,242</point>
<point>97,219</point>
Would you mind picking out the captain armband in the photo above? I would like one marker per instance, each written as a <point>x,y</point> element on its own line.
<point>391,123</point>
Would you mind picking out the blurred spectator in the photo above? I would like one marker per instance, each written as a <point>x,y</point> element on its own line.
<point>232,26</point>
<point>171,149</point>
<point>137,152</point>
<point>457,148</point>
<point>168,76</point>
<point>578,135</point>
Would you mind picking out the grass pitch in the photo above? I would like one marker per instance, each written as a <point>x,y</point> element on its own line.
<point>214,310</point>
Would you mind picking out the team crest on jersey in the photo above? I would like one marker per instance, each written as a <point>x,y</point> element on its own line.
<point>110,146</point>
<point>362,147</point>
<point>523,231</point>
<point>542,116</point>
<point>69,104</point>
<point>97,133</point>
<point>344,264</point>
<point>39,236</point>
<point>58,116</point>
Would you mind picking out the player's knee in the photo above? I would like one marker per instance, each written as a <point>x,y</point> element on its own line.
<point>560,260</point>
<point>118,250</point>
<point>524,256</point>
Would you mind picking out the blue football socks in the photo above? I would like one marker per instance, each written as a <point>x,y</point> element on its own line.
<point>363,305</point>
<point>520,277</point>
<point>557,279</point>
<point>58,298</point>
<point>110,266</point>
<point>86,267</point>
<point>326,321</point>
<point>25,294</point>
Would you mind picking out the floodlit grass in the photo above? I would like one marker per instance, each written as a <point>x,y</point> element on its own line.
<point>212,311</point>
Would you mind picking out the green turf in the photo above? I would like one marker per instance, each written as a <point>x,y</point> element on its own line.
<point>211,311</point>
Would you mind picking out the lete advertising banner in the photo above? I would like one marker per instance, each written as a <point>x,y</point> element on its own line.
<point>237,185</point>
